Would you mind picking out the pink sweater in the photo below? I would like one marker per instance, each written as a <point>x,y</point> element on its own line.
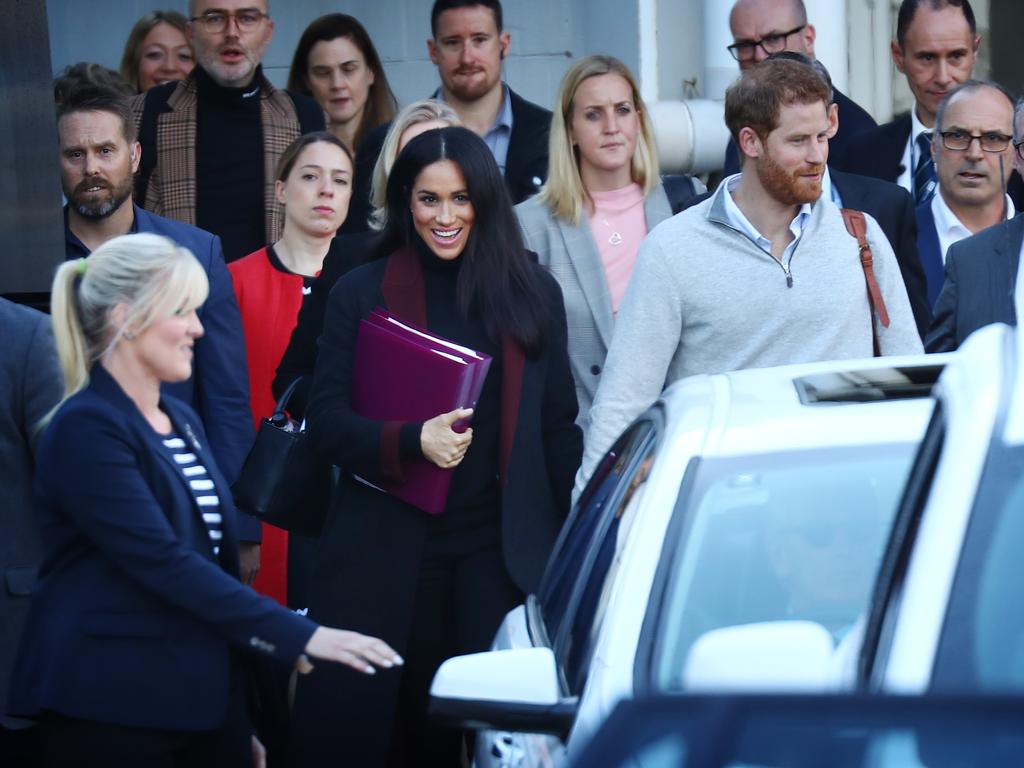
<point>618,225</point>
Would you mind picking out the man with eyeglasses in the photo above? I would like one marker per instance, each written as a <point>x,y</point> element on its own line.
<point>763,27</point>
<point>210,143</point>
<point>979,136</point>
<point>973,156</point>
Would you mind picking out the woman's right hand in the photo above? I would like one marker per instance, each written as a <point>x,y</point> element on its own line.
<point>361,652</point>
<point>441,444</point>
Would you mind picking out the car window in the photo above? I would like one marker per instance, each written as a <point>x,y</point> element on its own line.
<point>982,640</point>
<point>776,537</point>
<point>586,548</point>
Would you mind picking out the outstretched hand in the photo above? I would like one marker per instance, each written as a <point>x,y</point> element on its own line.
<point>443,445</point>
<point>361,652</point>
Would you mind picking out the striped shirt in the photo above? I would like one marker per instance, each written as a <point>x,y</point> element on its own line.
<point>202,487</point>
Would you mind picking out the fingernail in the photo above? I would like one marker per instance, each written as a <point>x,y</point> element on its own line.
<point>387,664</point>
<point>399,660</point>
<point>370,670</point>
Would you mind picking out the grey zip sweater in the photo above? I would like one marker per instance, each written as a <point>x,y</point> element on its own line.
<point>704,298</point>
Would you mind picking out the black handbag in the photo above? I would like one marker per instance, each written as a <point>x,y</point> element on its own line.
<point>282,482</point>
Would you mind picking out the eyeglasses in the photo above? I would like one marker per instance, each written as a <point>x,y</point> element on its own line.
<point>746,50</point>
<point>959,141</point>
<point>217,21</point>
<point>1017,146</point>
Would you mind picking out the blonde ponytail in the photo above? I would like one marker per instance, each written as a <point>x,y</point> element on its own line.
<point>149,274</point>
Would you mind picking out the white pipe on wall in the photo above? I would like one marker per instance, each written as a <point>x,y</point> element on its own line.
<point>691,135</point>
<point>720,68</point>
<point>831,45</point>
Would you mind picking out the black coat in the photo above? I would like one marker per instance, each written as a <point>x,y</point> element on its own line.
<point>368,559</point>
<point>346,253</point>
<point>853,120</point>
<point>981,276</point>
<point>892,207</point>
<point>526,166</point>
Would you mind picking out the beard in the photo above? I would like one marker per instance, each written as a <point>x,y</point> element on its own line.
<point>786,186</point>
<point>473,88</point>
<point>93,207</point>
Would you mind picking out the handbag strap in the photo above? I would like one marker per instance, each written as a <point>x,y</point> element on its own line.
<point>857,227</point>
<point>282,402</point>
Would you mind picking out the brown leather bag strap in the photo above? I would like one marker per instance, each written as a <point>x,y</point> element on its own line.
<point>857,227</point>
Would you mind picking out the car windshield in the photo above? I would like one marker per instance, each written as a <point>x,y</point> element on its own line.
<point>766,538</point>
<point>982,641</point>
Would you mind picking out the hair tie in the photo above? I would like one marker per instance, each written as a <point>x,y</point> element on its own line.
<point>81,265</point>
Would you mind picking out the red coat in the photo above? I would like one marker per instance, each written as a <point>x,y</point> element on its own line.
<point>269,300</point>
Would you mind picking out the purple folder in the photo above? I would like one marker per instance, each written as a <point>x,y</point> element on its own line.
<point>405,373</point>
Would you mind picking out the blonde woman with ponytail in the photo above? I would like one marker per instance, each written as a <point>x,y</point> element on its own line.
<point>131,650</point>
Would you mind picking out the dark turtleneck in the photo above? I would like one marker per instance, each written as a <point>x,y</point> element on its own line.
<point>474,499</point>
<point>229,164</point>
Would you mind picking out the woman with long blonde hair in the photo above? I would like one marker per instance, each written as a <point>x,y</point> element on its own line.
<point>603,194</point>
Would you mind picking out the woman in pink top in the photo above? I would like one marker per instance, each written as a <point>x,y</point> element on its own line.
<point>602,196</point>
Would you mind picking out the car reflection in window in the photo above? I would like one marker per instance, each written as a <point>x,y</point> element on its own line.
<point>786,537</point>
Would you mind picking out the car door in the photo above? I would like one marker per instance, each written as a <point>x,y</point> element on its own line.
<point>568,609</point>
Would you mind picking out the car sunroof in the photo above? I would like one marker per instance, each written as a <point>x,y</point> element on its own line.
<point>869,385</point>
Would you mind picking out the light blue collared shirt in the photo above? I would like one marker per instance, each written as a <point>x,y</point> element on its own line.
<point>828,191</point>
<point>742,223</point>
<point>499,135</point>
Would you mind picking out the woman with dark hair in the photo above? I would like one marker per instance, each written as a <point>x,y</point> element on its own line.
<point>437,585</point>
<point>336,64</point>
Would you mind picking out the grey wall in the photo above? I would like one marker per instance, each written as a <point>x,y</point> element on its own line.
<point>546,36</point>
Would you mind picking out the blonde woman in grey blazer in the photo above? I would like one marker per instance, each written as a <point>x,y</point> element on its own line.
<point>603,194</point>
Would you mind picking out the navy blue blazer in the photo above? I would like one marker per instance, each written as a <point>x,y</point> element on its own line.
<point>930,251</point>
<point>981,275</point>
<point>132,616</point>
<point>219,387</point>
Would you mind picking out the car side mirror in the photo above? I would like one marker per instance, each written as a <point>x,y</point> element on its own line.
<point>508,690</point>
<point>768,656</point>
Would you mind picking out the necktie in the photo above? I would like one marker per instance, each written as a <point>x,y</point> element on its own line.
<point>924,171</point>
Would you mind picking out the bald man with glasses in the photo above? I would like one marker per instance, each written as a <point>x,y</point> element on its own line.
<point>763,27</point>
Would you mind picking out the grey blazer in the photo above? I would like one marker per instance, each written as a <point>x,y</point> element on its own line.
<point>30,385</point>
<point>570,253</point>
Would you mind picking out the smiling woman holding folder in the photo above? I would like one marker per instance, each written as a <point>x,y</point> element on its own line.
<point>457,289</point>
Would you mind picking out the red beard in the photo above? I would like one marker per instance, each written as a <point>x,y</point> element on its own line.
<point>788,187</point>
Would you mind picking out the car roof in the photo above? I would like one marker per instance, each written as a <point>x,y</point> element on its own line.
<point>767,409</point>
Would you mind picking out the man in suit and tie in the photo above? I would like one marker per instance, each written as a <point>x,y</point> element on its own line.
<point>973,160</point>
<point>761,28</point>
<point>981,274</point>
<point>935,48</point>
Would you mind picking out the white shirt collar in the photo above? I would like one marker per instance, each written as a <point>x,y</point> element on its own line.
<point>742,223</point>
<point>948,226</point>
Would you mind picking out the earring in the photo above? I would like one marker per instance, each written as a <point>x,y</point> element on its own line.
<point>129,335</point>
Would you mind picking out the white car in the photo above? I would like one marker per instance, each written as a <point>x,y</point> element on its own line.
<point>743,511</point>
<point>948,614</point>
